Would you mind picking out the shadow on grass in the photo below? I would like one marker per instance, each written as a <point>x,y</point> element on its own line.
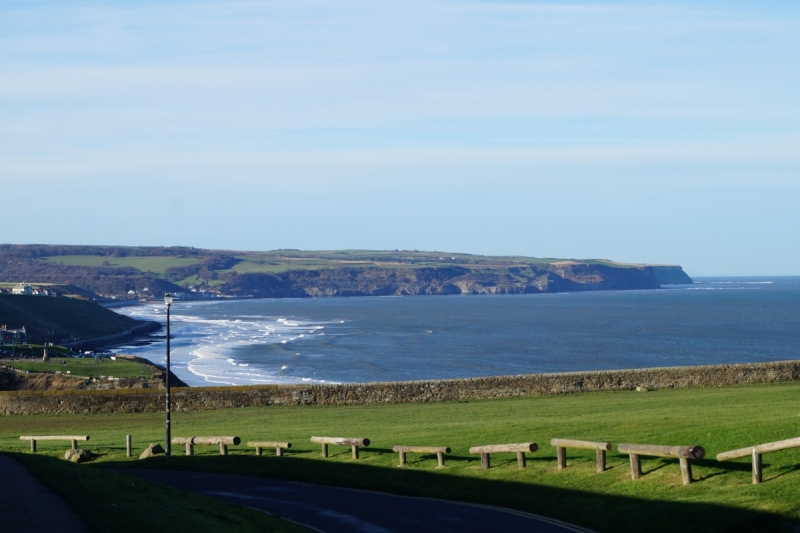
<point>111,502</point>
<point>600,512</point>
<point>722,465</point>
<point>786,470</point>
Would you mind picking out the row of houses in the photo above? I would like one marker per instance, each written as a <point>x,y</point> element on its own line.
<point>13,336</point>
<point>26,288</point>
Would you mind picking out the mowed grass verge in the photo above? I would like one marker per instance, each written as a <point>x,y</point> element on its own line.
<point>85,367</point>
<point>721,499</point>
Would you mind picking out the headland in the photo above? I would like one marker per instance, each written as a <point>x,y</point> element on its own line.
<point>115,273</point>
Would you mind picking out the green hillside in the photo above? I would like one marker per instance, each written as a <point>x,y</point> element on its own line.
<point>57,320</point>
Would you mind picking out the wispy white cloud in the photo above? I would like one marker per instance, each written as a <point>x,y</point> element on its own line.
<point>344,100</point>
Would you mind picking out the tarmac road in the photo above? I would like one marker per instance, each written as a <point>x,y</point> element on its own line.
<point>338,510</point>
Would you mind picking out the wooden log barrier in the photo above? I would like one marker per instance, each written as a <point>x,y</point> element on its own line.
<point>600,448</point>
<point>72,438</point>
<point>755,453</point>
<point>683,453</point>
<point>260,445</point>
<point>355,444</point>
<point>191,442</point>
<point>520,449</point>
<point>438,450</point>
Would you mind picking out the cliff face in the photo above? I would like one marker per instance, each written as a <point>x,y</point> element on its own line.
<point>671,275</point>
<point>380,281</point>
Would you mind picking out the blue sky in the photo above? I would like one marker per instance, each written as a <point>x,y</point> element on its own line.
<point>636,131</point>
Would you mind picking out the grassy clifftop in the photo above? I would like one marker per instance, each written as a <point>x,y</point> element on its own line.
<point>151,271</point>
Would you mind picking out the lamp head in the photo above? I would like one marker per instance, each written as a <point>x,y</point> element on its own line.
<point>168,299</point>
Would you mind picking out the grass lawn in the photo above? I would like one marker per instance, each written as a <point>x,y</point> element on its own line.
<point>155,264</point>
<point>722,498</point>
<point>88,367</point>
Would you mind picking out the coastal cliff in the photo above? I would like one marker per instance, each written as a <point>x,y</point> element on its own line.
<point>136,273</point>
<point>518,279</point>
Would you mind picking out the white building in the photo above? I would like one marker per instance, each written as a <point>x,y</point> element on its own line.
<point>22,288</point>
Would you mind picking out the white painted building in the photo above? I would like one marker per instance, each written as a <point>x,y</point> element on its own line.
<point>22,288</point>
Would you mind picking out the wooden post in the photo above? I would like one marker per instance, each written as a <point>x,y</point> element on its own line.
<point>761,448</point>
<point>561,454</point>
<point>485,461</point>
<point>223,449</point>
<point>260,445</point>
<point>521,460</point>
<point>354,443</point>
<point>128,445</point>
<point>686,470</point>
<point>73,439</point>
<point>636,466</point>
<point>518,448</point>
<point>438,450</point>
<point>601,461</point>
<point>189,447</point>
<point>756,467</point>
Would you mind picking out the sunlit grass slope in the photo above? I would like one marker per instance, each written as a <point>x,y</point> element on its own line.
<point>88,367</point>
<point>154,264</point>
<point>722,498</point>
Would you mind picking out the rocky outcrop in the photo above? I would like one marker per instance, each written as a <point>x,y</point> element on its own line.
<point>78,455</point>
<point>151,451</point>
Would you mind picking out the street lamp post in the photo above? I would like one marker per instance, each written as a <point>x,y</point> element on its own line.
<point>168,448</point>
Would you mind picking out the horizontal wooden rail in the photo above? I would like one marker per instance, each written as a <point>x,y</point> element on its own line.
<point>223,443</point>
<point>438,450</point>
<point>72,438</point>
<point>600,448</point>
<point>354,443</point>
<point>261,444</point>
<point>755,454</point>
<point>520,449</point>
<point>683,453</point>
<point>760,448</point>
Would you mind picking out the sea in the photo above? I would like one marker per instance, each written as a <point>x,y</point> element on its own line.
<point>368,339</point>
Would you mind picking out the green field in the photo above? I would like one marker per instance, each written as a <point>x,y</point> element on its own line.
<point>87,367</point>
<point>154,264</point>
<point>722,498</point>
<point>282,260</point>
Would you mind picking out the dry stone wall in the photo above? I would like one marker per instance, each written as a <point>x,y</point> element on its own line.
<point>207,398</point>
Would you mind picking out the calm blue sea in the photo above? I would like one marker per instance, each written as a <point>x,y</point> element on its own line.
<point>724,320</point>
